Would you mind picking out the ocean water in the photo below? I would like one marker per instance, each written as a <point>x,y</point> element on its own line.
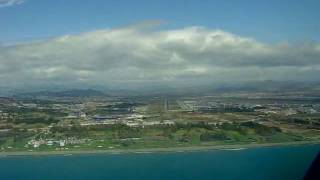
<point>274,163</point>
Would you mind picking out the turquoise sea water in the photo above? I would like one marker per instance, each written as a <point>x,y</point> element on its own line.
<point>289,162</point>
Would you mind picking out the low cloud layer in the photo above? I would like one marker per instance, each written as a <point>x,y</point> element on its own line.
<point>8,3</point>
<point>134,56</point>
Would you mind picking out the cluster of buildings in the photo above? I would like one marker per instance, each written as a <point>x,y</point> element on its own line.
<point>287,110</point>
<point>6,115</point>
<point>149,123</point>
<point>132,120</point>
<point>214,106</point>
<point>270,108</point>
<point>50,142</point>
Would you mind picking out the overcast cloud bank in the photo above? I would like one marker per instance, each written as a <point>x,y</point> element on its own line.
<point>132,55</point>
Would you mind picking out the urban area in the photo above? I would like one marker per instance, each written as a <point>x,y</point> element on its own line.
<point>60,122</point>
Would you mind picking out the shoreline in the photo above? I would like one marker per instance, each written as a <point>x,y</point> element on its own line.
<point>231,147</point>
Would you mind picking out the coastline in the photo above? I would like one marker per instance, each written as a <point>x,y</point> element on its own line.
<point>231,147</point>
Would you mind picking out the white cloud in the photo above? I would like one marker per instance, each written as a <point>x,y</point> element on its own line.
<point>132,55</point>
<point>8,3</point>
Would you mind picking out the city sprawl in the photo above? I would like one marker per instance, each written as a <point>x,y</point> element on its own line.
<point>66,123</point>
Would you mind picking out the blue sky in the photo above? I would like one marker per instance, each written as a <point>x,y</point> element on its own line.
<point>268,20</point>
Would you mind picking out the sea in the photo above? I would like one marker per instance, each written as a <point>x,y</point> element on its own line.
<point>282,162</point>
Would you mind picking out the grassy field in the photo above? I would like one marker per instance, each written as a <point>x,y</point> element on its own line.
<point>180,135</point>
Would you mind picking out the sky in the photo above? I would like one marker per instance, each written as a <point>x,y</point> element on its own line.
<point>129,43</point>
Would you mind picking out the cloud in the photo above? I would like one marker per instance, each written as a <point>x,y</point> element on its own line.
<point>132,56</point>
<point>8,3</point>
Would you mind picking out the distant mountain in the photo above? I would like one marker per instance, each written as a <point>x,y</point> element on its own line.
<point>66,93</point>
<point>174,90</point>
<point>270,86</point>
